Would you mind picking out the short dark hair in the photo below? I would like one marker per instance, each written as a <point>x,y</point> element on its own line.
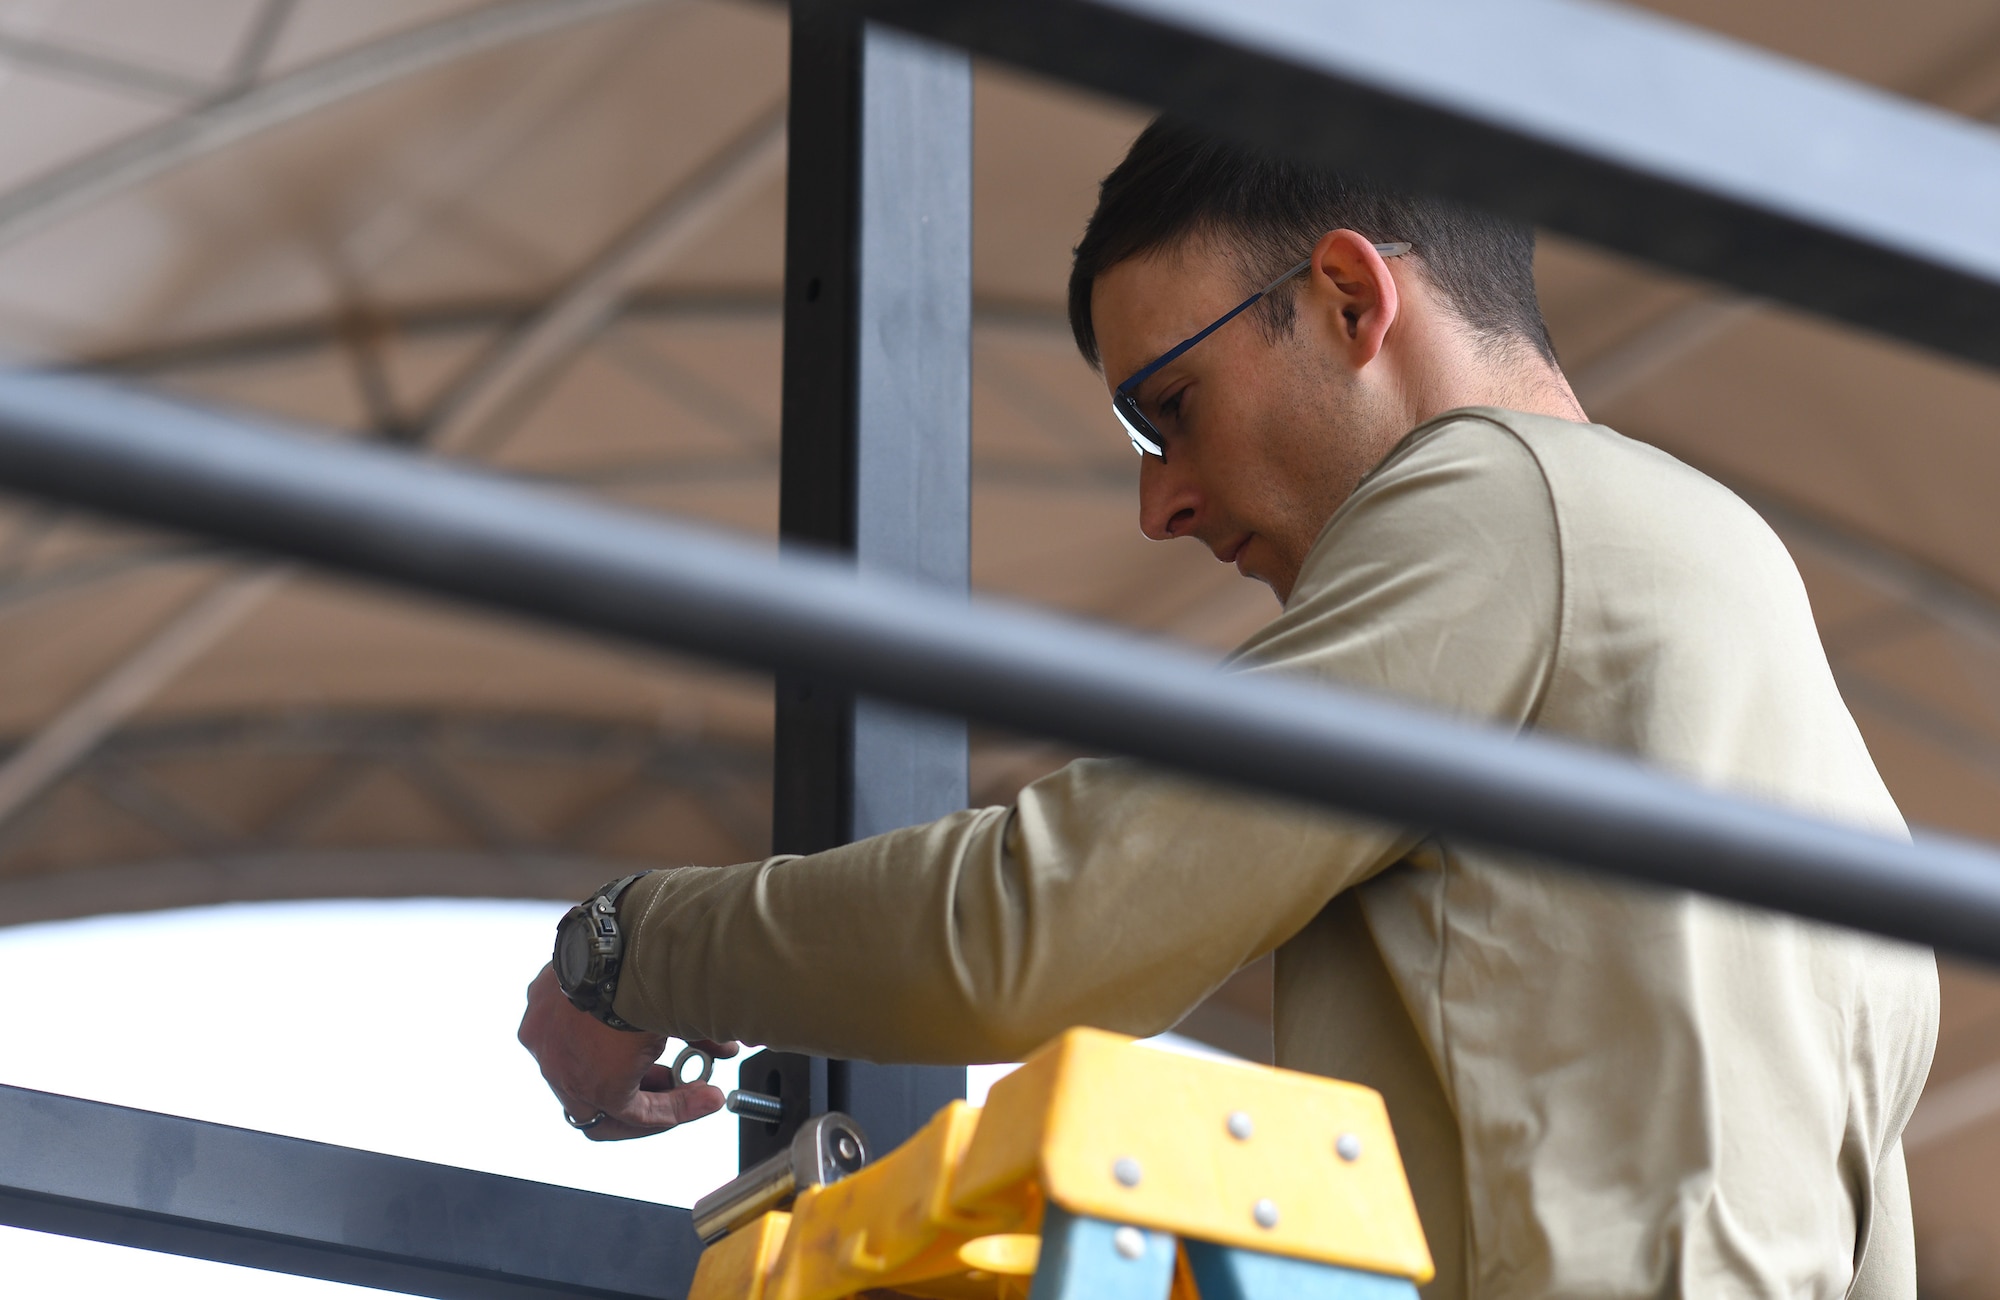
<point>1178,182</point>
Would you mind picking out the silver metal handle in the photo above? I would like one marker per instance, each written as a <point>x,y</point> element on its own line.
<point>827,1149</point>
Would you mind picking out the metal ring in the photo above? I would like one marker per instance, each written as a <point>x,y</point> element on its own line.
<point>707,1065</point>
<point>584,1125</point>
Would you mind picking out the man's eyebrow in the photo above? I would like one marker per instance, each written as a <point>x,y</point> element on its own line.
<point>1153,380</point>
<point>1169,368</point>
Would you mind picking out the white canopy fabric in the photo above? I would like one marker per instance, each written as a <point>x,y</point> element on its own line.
<point>548,235</point>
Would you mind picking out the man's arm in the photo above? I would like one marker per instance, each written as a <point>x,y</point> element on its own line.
<point>1112,893</point>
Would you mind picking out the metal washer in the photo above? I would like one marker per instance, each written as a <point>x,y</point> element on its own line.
<point>707,1065</point>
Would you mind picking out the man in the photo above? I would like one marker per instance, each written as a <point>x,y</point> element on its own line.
<point>1599,1090</point>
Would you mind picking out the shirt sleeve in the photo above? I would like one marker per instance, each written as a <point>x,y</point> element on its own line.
<point>1112,893</point>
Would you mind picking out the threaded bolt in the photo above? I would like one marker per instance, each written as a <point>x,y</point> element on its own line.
<point>755,1105</point>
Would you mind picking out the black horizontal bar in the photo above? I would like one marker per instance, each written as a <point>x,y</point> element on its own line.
<point>509,546</point>
<point>1609,124</point>
<point>160,1182</point>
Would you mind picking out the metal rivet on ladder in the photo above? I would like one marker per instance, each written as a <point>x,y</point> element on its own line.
<point>1266,1213</point>
<point>1129,1242</point>
<point>1126,1171</point>
<point>1240,1126</point>
<point>1348,1146</point>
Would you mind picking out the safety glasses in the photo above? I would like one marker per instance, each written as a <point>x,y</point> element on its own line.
<point>1146,439</point>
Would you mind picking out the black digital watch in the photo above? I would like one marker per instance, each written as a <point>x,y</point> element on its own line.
<point>590,948</point>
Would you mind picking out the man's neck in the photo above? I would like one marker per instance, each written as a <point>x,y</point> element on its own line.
<point>1447,369</point>
<point>1536,387</point>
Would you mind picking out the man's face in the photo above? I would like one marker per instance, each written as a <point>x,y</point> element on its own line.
<point>1263,439</point>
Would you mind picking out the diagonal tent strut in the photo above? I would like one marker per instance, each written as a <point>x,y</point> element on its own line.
<point>121,691</point>
<point>260,38</point>
<point>140,79</point>
<point>185,137</point>
<point>524,357</point>
<point>128,78</point>
<point>212,613</point>
<point>596,293</point>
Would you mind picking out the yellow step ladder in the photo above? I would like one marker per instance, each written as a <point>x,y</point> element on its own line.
<point>1102,1169</point>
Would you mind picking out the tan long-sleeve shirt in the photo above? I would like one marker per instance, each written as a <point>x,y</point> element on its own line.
<point>1600,1090</point>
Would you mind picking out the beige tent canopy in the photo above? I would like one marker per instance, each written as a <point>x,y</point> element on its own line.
<point>547,235</point>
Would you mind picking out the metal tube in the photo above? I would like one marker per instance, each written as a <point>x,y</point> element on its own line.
<point>825,1150</point>
<point>160,1182</point>
<point>770,1184</point>
<point>1600,121</point>
<point>506,545</point>
<point>877,454</point>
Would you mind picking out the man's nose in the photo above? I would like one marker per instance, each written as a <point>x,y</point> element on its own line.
<point>1168,500</point>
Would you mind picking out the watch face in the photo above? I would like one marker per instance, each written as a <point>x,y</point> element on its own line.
<point>573,953</point>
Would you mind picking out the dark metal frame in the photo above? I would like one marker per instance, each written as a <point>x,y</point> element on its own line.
<point>511,547</point>
<point>1688,156</point>
<point>876,460</point>
<point>160,1182</point>
<point>1621,128</point>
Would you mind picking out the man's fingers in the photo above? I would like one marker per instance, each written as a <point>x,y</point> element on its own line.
<point>721,1051</point>
<point>656,1111</point>
<point>612,1130</point>
<point>658,1078</point>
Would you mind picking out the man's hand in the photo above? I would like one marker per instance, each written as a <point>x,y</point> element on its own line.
<point>591,1067</point>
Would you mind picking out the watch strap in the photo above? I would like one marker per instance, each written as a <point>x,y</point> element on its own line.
<point>599,988</point>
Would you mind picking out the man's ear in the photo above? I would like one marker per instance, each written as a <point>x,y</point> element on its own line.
<point>1350,284</point>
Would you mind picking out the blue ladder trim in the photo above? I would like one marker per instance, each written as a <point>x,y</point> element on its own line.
<point>1081,1261</point>
<point>1228,1273</point>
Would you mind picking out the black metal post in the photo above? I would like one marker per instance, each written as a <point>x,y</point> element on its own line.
<point>159,1182</point>
<point>568,562</point>
<point>1606,122</point>
<point>877,451</point>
